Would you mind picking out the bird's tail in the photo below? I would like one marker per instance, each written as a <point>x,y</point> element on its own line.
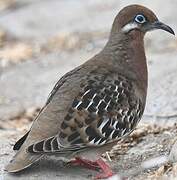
<point>21,160</point>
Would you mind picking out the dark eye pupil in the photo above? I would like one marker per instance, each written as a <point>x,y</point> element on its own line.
<point>140,18</point>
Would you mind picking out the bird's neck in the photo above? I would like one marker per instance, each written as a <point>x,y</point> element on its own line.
<point>128,51</point>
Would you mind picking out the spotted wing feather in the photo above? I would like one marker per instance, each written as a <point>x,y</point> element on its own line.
<point>105,110</point>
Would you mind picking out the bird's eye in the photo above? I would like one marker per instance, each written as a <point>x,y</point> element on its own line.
<point>140,19</point>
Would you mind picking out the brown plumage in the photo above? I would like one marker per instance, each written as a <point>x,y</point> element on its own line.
<point>99,102</point>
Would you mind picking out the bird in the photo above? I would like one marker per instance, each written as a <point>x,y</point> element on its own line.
<point>94,106</point>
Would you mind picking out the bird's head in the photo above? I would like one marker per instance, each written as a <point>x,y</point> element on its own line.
<point>138,18</point>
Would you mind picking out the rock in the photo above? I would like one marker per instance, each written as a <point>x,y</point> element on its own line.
<point>173,153</point>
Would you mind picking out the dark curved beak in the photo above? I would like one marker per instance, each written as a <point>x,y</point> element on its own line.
<point>160,25</point>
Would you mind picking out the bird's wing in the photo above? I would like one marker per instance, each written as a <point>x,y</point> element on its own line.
<point>46,123</point>
<point>61,81</point>
<point>105,109</point>
<point>19,143</point>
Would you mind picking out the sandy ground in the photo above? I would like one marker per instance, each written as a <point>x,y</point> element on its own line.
<point>38,45</point>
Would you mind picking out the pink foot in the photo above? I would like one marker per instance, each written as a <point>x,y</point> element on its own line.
<point>106,170</point>
<point>85,163</point>
<point>99,164</point>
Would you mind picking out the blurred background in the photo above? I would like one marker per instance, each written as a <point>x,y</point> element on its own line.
<point>40,40</point>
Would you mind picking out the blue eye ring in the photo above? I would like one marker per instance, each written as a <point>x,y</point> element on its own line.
<point>140,19</point>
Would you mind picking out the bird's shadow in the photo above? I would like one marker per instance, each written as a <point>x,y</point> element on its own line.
<point>54,168</point>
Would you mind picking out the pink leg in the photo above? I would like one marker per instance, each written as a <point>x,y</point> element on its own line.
<point>99,164</point>
<point>106,170</point>
<point>85,163</point>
